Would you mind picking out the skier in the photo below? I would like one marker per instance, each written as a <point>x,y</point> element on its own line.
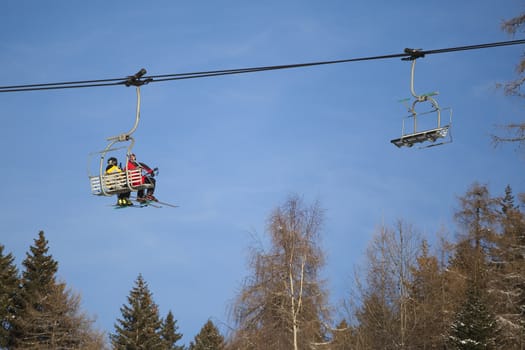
<point>122,198</point>
<point>147,178</point>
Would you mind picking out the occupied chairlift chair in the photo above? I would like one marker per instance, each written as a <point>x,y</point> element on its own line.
<point>128,180</point>
<point>426,135</point>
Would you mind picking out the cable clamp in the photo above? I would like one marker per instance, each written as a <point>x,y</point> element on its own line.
<point>414,54</point>
<point>136,80</point>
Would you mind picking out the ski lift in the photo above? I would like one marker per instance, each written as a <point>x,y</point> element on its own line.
<point>429,133</point>
<point>103,184</point>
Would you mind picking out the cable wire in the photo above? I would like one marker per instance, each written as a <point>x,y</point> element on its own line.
<point>407,54</point>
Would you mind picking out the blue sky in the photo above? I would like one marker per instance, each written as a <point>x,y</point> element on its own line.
<point>231,149</point>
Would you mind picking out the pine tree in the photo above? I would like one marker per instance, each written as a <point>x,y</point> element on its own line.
<point>475,326</point>
<point>507,202</point>
<point>38,282</point>
<point>343,337</point>
<point>49,316</point>
<point>169,333</point>
<point>209,338</point>
<point>140,326</point>
<point>9,283</point>
<point>40,267</point>
<point>507,274</point>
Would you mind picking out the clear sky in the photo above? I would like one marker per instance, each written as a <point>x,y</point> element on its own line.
<point>231,149</point>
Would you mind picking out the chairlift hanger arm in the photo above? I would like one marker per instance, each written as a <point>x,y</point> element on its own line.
<point>137,81</point>
<point>414,55</point>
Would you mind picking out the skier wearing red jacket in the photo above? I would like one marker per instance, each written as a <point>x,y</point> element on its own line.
<point>147,178</point>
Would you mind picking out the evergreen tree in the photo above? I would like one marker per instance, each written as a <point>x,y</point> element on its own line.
<point>140,326</point>
<point>40,270</point>
<point>507,275</point>
<point>343,337</point>
<point>474,327</point>
<point>38,282</point>
<point>9,283</point>
<point>209,338</point>
<point>169,333</point>
<point>507,202</point>
<point>49,316</point>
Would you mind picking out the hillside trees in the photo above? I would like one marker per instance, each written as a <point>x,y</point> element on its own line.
<point>141,326</point>
<point>480,286</point>
<point>471,296</point>
<point>472,293</point>
<point>283,304</point>
<point>489,257</point>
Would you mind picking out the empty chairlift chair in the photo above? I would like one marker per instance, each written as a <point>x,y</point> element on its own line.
<point>432,130</point>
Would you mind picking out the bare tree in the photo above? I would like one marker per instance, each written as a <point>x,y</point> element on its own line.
<point>515,132</point>
<point>383,315</point>
<point>477,218</point>
<point>283,304</point>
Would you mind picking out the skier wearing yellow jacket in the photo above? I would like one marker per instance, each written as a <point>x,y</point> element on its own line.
<point>123,198</point>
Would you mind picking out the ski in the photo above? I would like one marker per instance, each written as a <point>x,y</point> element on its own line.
<point>116,206</point>
<point>166,204</point>
<point>156,203</point>
<point>146,203</point>
<point>136,205</point>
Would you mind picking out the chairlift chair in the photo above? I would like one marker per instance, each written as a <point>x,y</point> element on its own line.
<point>416,135</point>
<point>103,184</point>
